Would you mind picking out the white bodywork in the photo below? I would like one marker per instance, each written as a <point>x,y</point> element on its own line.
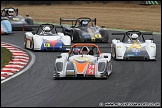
<point>120,48</point>
<point>91,58</point>
<point>38,40</point>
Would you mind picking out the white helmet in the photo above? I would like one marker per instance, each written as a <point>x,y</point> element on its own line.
<point>134,36</point>
<point>84,23</point>
<point>47,30</point>
<point>11,12</point>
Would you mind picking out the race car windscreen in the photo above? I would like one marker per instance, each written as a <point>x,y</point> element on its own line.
<point>40,30</point>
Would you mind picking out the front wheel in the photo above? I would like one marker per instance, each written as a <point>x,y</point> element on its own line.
<point>25,42</point>
<point>32,44</point>
<point>113,53</point>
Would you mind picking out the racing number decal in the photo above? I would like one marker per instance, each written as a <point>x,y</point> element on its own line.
<point>90,69</point>
<point>135,50</point>
<point>15,19</point>
<point>97,36</point>
<point>46,45</point>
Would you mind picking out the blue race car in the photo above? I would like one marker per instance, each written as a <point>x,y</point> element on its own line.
<point>6,27</point>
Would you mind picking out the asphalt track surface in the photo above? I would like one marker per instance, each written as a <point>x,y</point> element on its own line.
<point>130,81</point>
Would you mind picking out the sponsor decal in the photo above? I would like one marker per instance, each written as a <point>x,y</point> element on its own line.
<point>46,45</point>
<point>91,69</point>
<point>135,45</point>
<point>97,36</point>
<point>15,19</point>
<point>130,54</point>
<point>135,50</point>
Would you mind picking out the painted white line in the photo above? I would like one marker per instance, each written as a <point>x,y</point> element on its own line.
<point>8,73</point>
<point>21,63</point>
<point>18,54</point>
<point>13,66</point>
<point>25,69</point>
<point>12,48</point>
<point>8,46</point>
<point>12,69</point>
<point>21,57</point>
<point>16,51</point>
<point>2,78</point>
<point>24,60</point>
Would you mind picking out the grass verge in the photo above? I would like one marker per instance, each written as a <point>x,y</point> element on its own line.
<point>6,56</point>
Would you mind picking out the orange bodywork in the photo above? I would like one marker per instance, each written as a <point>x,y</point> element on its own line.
<point>80,66</point>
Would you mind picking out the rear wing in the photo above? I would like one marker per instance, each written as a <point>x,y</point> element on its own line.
<point>36,26</point>
<point>137,32</point>
<point>73,21</point>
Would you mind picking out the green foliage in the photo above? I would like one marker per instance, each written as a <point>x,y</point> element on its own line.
<point>6,56</point>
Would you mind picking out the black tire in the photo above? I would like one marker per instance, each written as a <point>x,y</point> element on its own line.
<point>25,41</point>
<point>104,34</point>
<point>76,35</point>
<point>113,52</point>
<point>72,37</point>
<point>32,44</point>
<point>30,22</point>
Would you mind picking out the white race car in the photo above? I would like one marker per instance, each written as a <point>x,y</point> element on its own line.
<point>134,46</point>
<point>49,39</point>
<point>83,63</point>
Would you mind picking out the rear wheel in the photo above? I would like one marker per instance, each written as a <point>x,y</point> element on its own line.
<point>104,34</point>
<point>30,22</point>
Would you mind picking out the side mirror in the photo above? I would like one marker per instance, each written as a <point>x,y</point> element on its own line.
<point>59,56</point>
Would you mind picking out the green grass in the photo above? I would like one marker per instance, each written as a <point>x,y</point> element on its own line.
<point>6,56</point>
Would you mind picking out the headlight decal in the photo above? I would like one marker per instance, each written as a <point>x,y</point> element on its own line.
<point>59,66</point>
<point>101,66</point>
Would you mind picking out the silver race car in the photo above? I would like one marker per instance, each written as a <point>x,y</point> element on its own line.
<point>134,46</point>
<point>83,60</point>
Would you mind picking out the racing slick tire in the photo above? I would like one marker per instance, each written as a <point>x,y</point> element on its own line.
<point>30,22</point>
<point>32,44</point>
<point>25,41</point>
<point>113,53</point>
<point>76,35</point>
<point>104,33</point>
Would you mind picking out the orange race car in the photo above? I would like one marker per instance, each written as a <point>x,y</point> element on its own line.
<point>83,60</point>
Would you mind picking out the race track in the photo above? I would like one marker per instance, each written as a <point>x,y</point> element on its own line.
<point>130,81</point>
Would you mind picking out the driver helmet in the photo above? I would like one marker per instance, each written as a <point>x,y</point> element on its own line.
<point>84,23</point>
<point>85,50</point>
<point>134,37</point>
<point>76,51</point>
<point>47,30</point>
<point>11,12</point>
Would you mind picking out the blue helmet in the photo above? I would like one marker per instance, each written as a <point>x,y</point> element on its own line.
<point>76,51</point>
